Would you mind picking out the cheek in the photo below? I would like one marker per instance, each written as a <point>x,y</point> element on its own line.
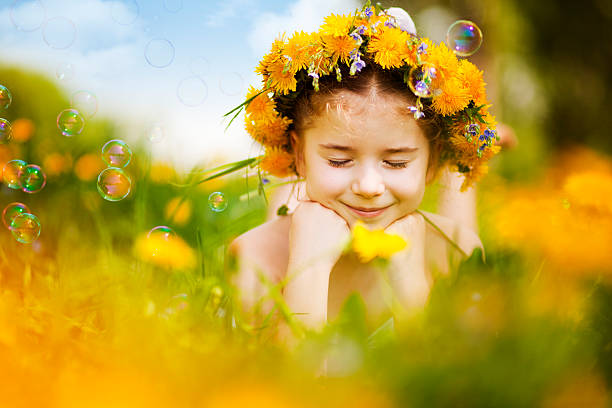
<point>324,182</point>
<point>409,186</point>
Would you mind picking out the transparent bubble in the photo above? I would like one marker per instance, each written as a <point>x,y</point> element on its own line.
<point>424,80</point>
<point>114,184</point>
<point>6,131</point>
<point>5,97</point>
<point>173,5</point>
<point>192,91</point>
<point>116,153</point>
<point>70,122</point>
<point>11,211</point>
<point>156,133</point>
<point>159,53</point>
<point>12,173</point>
<point>464,38</point>
<point>59,33</point>
<point>199,66</point>
<point>84,102</point>
<point>177,304</point>
<point>34,179</point>
<point>125,12</point>
<point>231,84</point>
<point>25,228</point>
<point>217,202</point>
<point>64,71</point>
<point>163,232</point>
<point>27,15</point>
<point>472,131</point>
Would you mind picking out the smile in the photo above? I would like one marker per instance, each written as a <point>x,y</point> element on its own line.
<point>367,212</point>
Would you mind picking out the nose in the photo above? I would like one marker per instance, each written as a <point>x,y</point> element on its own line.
<point>368,182</point>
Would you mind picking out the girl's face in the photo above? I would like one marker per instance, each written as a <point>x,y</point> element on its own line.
<point>370,167</point>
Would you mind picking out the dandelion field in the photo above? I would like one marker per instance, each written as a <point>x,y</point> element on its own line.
<point>97,313</point>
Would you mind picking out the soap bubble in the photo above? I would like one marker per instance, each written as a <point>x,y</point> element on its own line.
<point>423,80</point>
<point>464,38</point>
<point>173,5</point>
<point>231,84</point>
<point>59,33</point>
<point>159,53</point>
<point>116,153</point>
<point>64,71</point>
<point>11,211</point>
<point>70,122</point>
<point>34,179</point>
<point>12,174</point>
<point>84,102</point>
<point>5,97</point>
<point>192,91</point>
<point>114,184</point>
<point>25,228</point>
<point>217,202</point>
<point>176,304</point>
<point>125,12</point>
<point>156,133</point>
<point>27,15</point>
<point>199,66</point>
<point>163,232</point>
<point>6,131</point>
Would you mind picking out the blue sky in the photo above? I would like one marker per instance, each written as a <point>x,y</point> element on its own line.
<point>102,47</point>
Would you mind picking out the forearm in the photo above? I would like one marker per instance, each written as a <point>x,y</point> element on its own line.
<point>407,278</point>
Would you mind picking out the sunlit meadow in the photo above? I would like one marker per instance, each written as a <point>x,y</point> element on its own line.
<point>104,309</point>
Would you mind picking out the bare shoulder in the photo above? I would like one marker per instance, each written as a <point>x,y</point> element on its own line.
<point>265,248</point>
<point>465,238</point>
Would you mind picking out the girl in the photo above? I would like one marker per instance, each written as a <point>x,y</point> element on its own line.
<point>336,109</point>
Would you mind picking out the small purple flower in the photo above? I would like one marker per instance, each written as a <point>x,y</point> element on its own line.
<point>357,65</point>
<point>422,49</point>
<point>390,23</point>
<point>418,114</point>
<point>369,12</point>
<point>355,36</point>
<point>288,58</point>
<point>361,29</point>
<point>313,75</point>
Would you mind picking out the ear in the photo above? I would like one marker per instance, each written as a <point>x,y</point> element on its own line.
<point>298,152</point>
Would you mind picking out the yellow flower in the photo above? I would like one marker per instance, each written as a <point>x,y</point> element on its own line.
<point>88,166</point>
<point>591,190</point>
<point>162,172</point>
<point>444,59</point>
<point>283,80</point>
<point>471,78</point>
<point>299,48</point>
<point>454,97</point>
<point>178,210</point>
<point>377,243</point>
<point>167,251</point>
<point>340,47</point>
<point>56,163</point>
<point>277,162</point>
<point>390,48</point>
<point>262,107</point>
<point>23,129</point>
<point>269,132</point>
<point>270,58</point>
<point>336,25</point>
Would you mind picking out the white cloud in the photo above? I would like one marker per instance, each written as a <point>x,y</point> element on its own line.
<point>306,15</point>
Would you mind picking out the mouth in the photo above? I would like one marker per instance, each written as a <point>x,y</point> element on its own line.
<point>365,212</point>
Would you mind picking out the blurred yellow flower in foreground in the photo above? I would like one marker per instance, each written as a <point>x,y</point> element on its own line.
<point>167,251</point>
<point>56,164</point>
<point>23,129</point>
<point>162,173</point>
<point>88,166</point>
<point>369,244</point>
<point>178,210</point>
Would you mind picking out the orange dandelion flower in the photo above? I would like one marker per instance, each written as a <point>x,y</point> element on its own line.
<point>471,78</point>
<point>454,97</point>
<point>444,59</point>
<point>337,25</point>
<point>262,107</point>
<point>269,132</point>
<point>390,48</point>
<point>340,47</point>
<point>88,166</point>
<point>298,50</point>
<point>271,57</point>
<point>277,162</point>
<point>283,81</point>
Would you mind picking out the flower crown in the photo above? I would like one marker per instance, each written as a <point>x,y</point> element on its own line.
<point>453,88</point>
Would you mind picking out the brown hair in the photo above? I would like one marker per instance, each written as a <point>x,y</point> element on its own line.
<point>372,82</point>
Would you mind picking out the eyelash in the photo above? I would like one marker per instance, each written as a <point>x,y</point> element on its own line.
<point>342,163</point>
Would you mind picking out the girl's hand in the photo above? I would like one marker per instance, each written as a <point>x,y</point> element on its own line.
<point>317,235</point>
<point>407,271</point>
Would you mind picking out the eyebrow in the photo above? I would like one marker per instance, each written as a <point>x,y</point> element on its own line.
<point>342,148</point>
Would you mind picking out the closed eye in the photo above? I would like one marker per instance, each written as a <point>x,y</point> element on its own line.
<point>396,164</point>
<point>338,163</point>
